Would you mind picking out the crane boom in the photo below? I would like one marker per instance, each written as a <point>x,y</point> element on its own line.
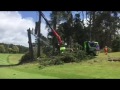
<point>54,32</point>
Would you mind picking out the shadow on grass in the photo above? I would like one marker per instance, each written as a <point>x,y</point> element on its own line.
<point>9,65</point>
<point>20,63</point>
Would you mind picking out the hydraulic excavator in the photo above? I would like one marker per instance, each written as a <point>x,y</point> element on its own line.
<point>89,47</point>
<point>61,44</point>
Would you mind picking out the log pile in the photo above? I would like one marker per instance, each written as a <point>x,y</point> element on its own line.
<point>113,58</point>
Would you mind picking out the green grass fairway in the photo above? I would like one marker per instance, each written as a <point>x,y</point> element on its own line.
<point>97,68</point>
<point>7,59</point>
<point>4,59</point>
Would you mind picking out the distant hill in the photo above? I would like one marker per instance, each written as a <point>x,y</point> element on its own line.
<point>22,49</point>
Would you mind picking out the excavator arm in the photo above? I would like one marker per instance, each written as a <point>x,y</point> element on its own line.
<point>58,37</point>
<point>54,32</point>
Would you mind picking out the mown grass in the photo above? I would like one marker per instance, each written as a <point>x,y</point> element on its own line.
<point>7,59</point>
<point>4,59</point>
<point>97,68</point>
<point>14,58</point>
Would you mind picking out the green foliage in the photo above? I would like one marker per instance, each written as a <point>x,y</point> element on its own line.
<point>26,58</point>
<point>47,51</point>
<point>15,49</point>
<point>80,55</point>
<point>116,44</point>
<point>101,26</point>
<point>109,50</point>
<point>66,57</point>
<point>2,49</point>
<point>44,61</point>
<point>50,61</point>
<point>77,47</point>
<point>10,50</point>
<point>22,49</point>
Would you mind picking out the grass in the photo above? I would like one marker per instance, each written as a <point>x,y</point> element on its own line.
<point>14,58</point>
<point>97,68</point>
<point>4,59</point>
<point>7,59</point>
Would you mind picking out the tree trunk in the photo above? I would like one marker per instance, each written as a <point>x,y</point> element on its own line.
<point>90,27</point>
<point>39,46</point>
<point>54,26</point>
<point>30,45</point>
<point>93,27</point>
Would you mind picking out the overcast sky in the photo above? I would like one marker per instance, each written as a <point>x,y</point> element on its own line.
<point>14,25</point>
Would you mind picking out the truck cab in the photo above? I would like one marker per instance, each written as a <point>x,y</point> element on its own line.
<point>91,47</point>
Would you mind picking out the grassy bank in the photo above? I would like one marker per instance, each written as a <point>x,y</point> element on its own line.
<point>98,67</point>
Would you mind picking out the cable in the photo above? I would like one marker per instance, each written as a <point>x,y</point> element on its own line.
<point>46,20</point>
<point>55,33</point>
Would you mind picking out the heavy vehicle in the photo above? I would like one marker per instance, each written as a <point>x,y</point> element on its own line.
<point>91,47</point>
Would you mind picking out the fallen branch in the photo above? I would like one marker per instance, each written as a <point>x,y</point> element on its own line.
<point>113,58</point>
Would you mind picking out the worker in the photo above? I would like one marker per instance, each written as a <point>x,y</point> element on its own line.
<point>106,50</point>
<point>97,48</point>
<point>62,48</point>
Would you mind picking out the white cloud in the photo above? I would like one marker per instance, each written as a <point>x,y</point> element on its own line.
<point>86,22</point>
<point>13,28</point>
<point>43,29</point>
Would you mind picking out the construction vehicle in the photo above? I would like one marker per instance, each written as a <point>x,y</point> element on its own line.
<point>91,47</point>
<point>60,42</point>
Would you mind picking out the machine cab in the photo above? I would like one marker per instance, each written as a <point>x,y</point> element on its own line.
<point>91,47</point>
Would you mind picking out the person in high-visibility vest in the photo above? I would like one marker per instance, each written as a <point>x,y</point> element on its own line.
<point>62,48</point>
<point>106,50</point>
<point>97,47</point>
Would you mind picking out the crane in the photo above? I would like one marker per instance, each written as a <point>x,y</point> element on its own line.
<point>60,42</point>
<point>54,31</point>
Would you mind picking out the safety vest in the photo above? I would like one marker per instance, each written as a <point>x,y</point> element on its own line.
<point>62,49</point>
<point>105,49</point>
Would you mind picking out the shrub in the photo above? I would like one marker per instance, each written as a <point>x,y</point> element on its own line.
<point>47,51</point>
<point>81,54</point>
<point>44,61</point>
<point>50,61</point>
<point>109,50</point>
<point>66,57</point>
<point>25,58</point>
<point>56,61</point>
<point>116,44</point>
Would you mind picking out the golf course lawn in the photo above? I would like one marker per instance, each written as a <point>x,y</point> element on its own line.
<point>97,68</point>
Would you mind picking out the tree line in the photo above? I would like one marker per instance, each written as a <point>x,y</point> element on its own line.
<point>11,48</point>
<point>101,26</point>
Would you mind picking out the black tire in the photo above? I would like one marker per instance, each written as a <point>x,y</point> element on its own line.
<point>93,54</point>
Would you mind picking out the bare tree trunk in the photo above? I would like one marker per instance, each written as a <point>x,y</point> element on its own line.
<point>39,25</point>
<point>30,45</point>
<point>90,26</point>
<point>93,26</point>
<point>54,26</point>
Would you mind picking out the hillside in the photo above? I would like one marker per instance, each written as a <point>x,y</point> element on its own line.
<point>98,67</point>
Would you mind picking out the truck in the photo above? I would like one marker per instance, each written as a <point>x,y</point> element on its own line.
<point>91,47</point>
